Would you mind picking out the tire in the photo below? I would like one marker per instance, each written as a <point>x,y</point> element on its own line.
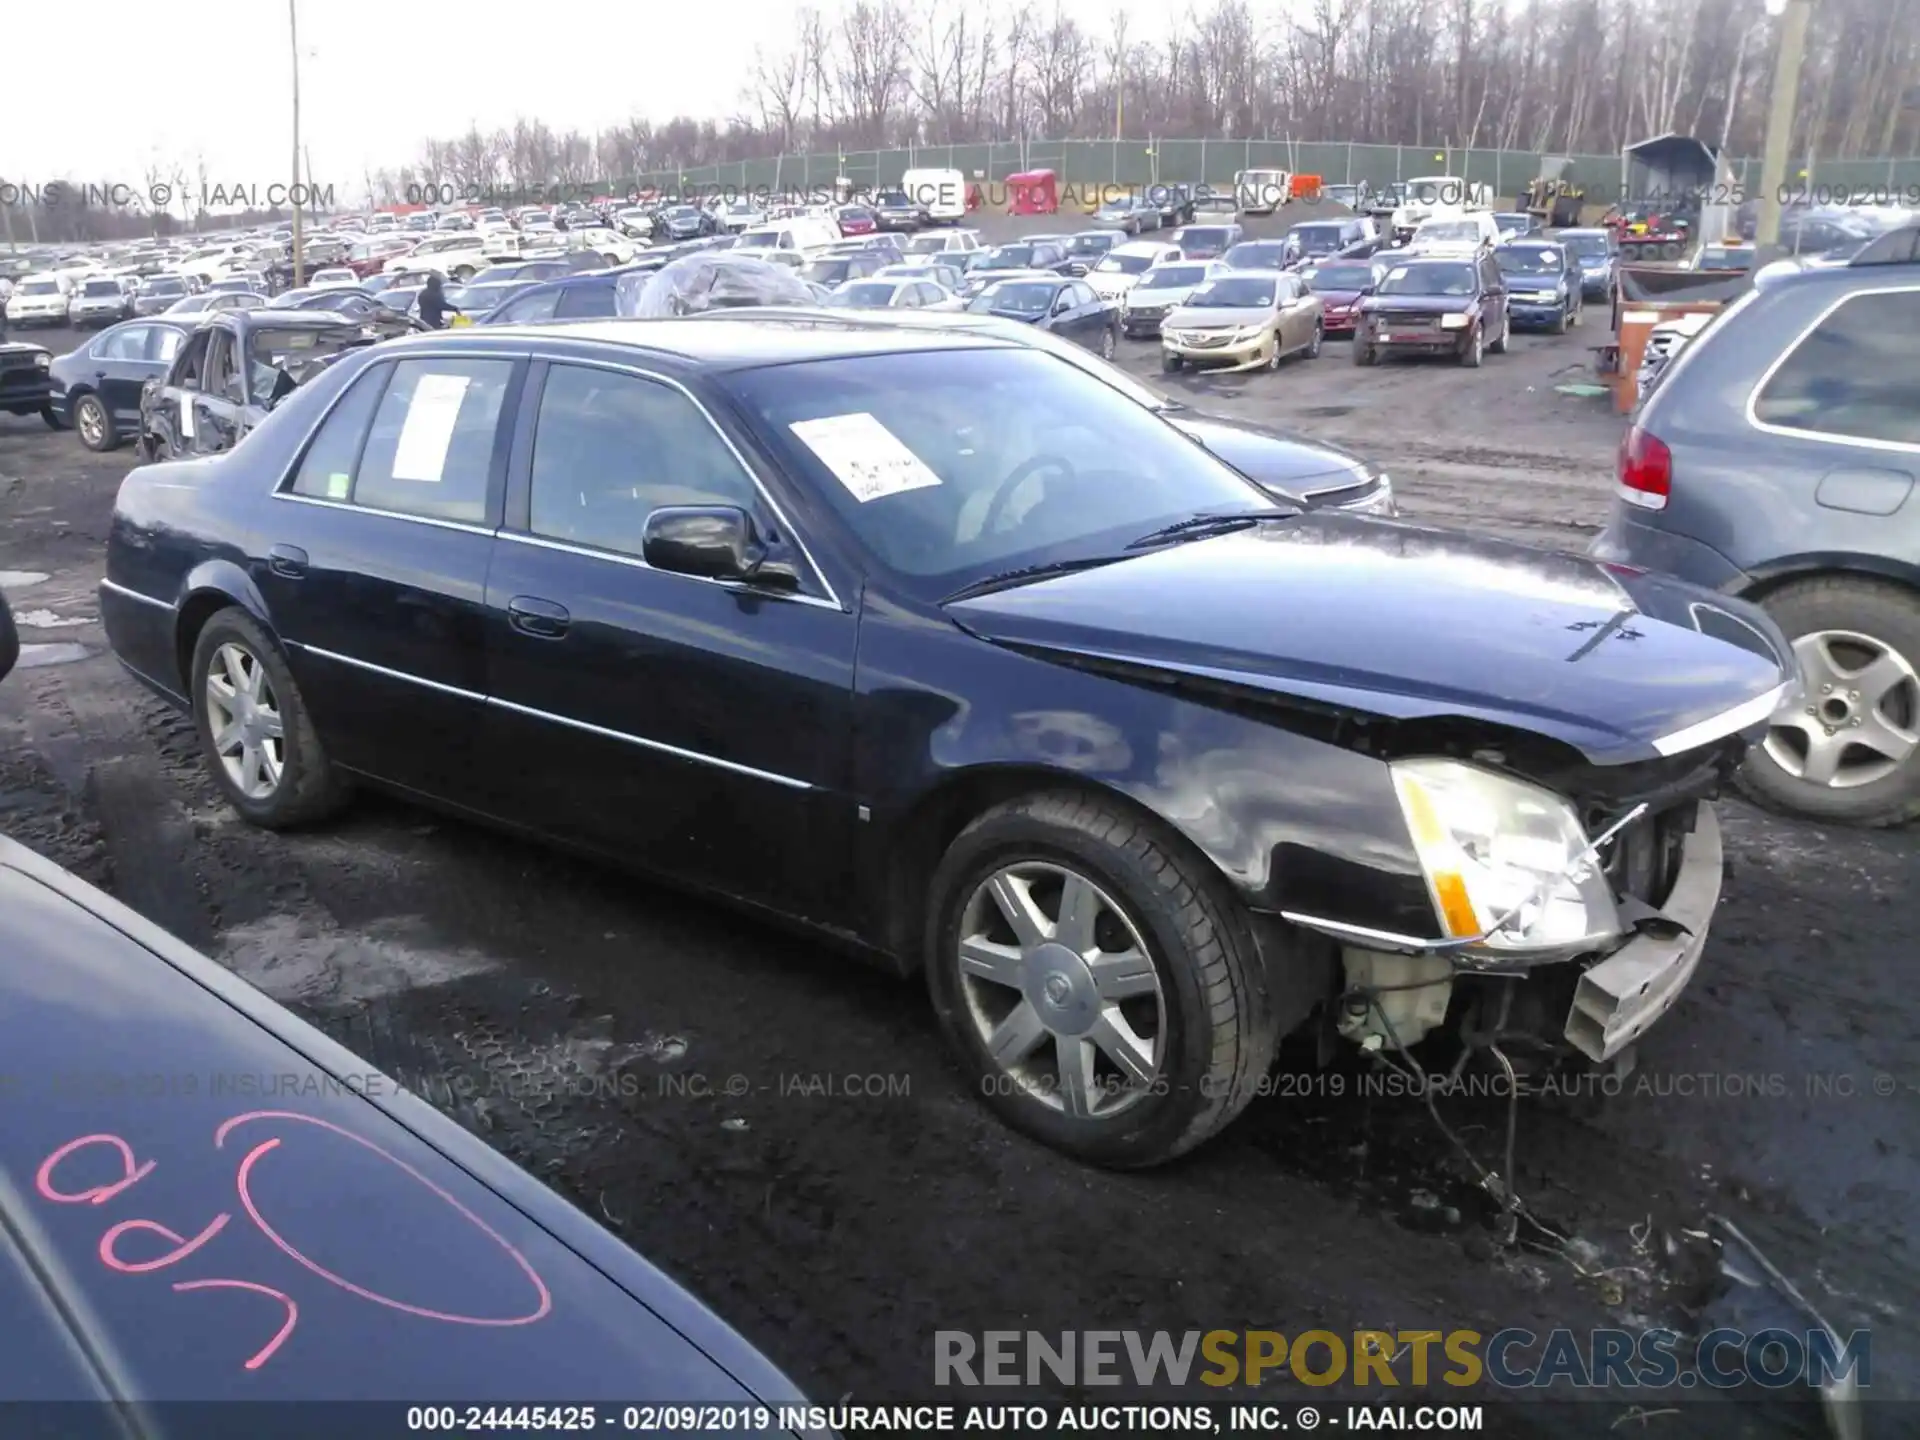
<point>308,788</point>
<point>52,417</point>
<point>1313,345</point>
<point>1216,1033</point>
<point>1273,360</point>
<point>1170,362</point>
<point>1472,346</point>
<point>1364,352</point>
<point>1499,344</point>
<point>1109,342</point>
<point>94,424</point>
<point>1890,616</point>
<point>1559,326</point>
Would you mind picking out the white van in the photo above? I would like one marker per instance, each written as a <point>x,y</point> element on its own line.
<point>1261,192</point>
<point>802,232</point>
<point>943,192</point>
<point>1455,233</point>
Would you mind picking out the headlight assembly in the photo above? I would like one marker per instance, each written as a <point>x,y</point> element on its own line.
<point>1510,868</point>
<point>1453,322</point>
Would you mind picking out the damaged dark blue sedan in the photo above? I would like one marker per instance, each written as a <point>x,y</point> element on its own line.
<point>942,647</point>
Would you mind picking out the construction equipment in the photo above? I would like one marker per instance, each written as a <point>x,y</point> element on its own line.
<point>1676,194</point>
<point>1552,198</point>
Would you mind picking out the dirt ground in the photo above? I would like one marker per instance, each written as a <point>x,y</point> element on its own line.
<point>705,1085</point>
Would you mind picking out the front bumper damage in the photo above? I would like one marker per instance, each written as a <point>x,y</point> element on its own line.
<point>1400,989</point>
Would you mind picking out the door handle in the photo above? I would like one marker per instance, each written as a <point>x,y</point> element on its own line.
<point>542,619</point>
<point>287,561</point>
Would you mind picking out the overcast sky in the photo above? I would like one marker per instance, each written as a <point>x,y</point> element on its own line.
<point>210,78</point>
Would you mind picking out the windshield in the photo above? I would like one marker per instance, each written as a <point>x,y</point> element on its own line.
<point>1258,255</point>
<point>825,272</point>
<point>1091,244</point>
<point>1450,231</point>
<point>1195,238</point>
<point>486,296</point>
<point>1015,297</point>
<point>1428,280</point>
<point>1319,236</point>
<point>1587,247</point>
<point>741,207</point>
<point>1726,260</point>
<point>1173,277</point>
<point>166,285</point>
<point>926,244</point>
<point>683,212</point>
<point>1340,277</point>
<point>102,287</point>
<point>1240,292</point>
<point>1530,261</point>
<point>1009,257</point>
<point>40,287</point>
<point>1124,265</point>
<point>192,303</point>
<point>867,293</point>
<point>954,465</point>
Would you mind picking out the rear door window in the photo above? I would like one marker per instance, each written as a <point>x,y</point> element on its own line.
<point>1855,376</point>
<point>430,451</point>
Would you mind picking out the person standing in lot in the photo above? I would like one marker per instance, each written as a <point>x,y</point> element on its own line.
<point>433,302</point>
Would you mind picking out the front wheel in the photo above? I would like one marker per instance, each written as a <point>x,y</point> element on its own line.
<point>1313,345</point>
<point>1849,752</point>
<point>1498,345</point>
<point>1364,352</point>
<point>254,728</point>
<point>1099,987</point>
<point>1170,362</point>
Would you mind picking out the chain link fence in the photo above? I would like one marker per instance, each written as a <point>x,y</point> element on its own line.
<point>1084,166</point>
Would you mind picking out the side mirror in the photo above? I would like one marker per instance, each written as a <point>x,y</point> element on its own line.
<point>711,542</point>
<point>9,639</point>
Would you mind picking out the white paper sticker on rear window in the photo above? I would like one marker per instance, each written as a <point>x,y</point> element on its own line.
<point>864,456</point>
<point>1399,272</point>
<point>431,416</point>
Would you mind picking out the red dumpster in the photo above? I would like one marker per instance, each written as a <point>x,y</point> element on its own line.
<point>1033,192</point>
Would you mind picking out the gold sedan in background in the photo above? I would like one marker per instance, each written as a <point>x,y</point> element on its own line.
<point>1243,320</point>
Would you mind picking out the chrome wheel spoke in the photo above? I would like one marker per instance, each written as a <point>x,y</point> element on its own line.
<point>1079,909</point>
<point>1131,1055</point>
<point>1824,753</point>
<point>270,727</point>
<point>220,690</point>
<point>1014,896</point>
<point>1878,679</point>
<point>1124,976</point>
<point>1074,1056</point>
<point>229,738</point>
<point>1001,964</point>
<point>233,664</point>
<point>1017,1036</point>
<point>1882,736</point>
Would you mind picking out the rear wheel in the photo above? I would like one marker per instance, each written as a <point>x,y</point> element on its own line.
<point>94,423</point>
<point>1097,983</point>
<point>1849,752</point>
<point>254,728</point>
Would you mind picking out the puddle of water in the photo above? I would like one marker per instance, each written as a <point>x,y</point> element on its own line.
<point>34,656</point>
<point>21,579</point>
<point>47,620</point>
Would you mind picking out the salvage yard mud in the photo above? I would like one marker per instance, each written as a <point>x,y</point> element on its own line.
<point>686,1075</point>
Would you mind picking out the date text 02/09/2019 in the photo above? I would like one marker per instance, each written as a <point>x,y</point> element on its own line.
<point>911,1420</point>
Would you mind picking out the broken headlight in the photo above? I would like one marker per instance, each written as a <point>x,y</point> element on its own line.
<point>1508,864</point>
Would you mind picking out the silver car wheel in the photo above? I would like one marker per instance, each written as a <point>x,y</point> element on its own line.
<point>1859,719</point>
<point>244,720</point>
<point>91,420</point>
<point>1061,990</point>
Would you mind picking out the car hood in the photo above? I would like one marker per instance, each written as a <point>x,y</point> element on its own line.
<point>1217,317</point>
<point>1398,621</point>
<point>1418,304</point>
<point>1178,296</point>
<point>1267,452</point>
<point>1336,297</point>
<point>19,350</point>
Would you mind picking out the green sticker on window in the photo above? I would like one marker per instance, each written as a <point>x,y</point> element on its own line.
<point>338,484</point>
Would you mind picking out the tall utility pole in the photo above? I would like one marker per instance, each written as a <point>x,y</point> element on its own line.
<point>299,244</point>
<point>1782,101</point>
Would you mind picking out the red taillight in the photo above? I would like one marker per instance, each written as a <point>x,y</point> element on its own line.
<point>1646,470</point>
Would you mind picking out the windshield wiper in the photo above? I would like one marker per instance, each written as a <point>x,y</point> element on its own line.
<point>1006,578</point>
<point>1198,526</point>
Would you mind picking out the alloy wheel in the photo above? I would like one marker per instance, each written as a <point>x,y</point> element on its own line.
<point>1859,719</point>
<point>244,718</point>
<point>1106,345</point>
<point>1060,988</point>
<point>91,420</point>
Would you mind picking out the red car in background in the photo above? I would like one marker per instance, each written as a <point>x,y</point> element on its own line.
<point>856,220</point>
<point>369,257</point>
<point>1339,284</point>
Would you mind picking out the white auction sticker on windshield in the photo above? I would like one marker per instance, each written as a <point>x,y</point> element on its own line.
<point>865,456</point>
<point>434,411</point>
<point>1399,272</point>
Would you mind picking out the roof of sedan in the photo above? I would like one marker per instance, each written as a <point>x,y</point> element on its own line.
<point>769,340</point>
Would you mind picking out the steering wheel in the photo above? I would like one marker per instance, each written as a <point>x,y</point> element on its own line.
<point>1012,483</point>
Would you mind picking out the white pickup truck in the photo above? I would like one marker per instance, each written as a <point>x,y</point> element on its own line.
<point>1421,199</point>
